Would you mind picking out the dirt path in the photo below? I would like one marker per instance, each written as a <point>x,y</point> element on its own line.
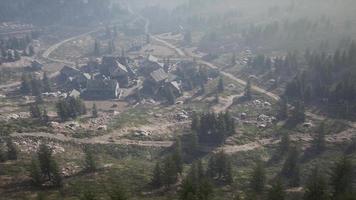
<point>63,138</point>
<point>225,103</point>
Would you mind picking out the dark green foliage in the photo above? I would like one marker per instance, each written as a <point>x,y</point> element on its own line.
<point>178,156</point>
<point>90,161</point>
<point>35,172</point>
<point>88,194</point>
<point>96,48</point>
<point>319,139</point>
<point>219,168</point>
<point>284,144</point>
<point>297,115</point>
<point>291,169</point>
<point>11,150</point>
<point>70,108</point>
<point>248,90</point>
<point>35,111</point>
<point>170,171</point>
<point>316,187</point>
<point>3,156</point>
<point>342,179</point>
<point>213,128</point>
<point>94,111</point>
<point>258,178</point>
<point>276,192</point>
<point>45,158</point>
<point>56,174</point>
<point>196,185</point>
<point>329,81</point>
<point>171,98</point>
<point>156,181</point>
<point>46,83</point>
<point>282,109</point>
<point>25,87</point>
<point>220,87</point>
<point>118,192</point>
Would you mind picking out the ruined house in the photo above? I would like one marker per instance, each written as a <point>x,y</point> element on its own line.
<point>101,89</point>
<point>159,82</point>
<point>149,64</point>
<point>111,67</point>
<point>73,78</point>
<point>35,66</point>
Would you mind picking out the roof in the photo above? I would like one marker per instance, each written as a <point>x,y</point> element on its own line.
<point>175,85</point>
<point>69,71</point>
<point>153,59</point>
<point>102,85</point>
<point>159,75</point>
<point>74,93</point>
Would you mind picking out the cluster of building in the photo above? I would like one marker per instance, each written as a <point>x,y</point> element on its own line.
<point>102,79</point>
<point>14,29</point>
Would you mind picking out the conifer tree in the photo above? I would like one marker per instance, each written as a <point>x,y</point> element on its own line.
<point>90,163</point>
<point>221,85</point>
<point>35,172</point>
<point>11,150</point>
<point>316,187</point>
<point>276,192</point>
<point>248,92</point>
<point>46,83</point>
<point>319,139</point>
<point>258,178</point>
<point>94,111</point>
<point>342,179</point>
<point>157,176</point>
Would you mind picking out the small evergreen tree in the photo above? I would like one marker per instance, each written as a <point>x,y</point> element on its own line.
<point>248,92</point>
<point>177,155</point>
<point>291,169</point>
<point>45,158</point>
<point>319,139</point>
<point>11,150</point>
<point>316,187</point>
<point>258,178</point>
<point>221,85</point>
<point>342,179</point>
<point>94,111</point>
<point>96,48</point>
<point>90,163</point>
<point>157,176</point>
<point>276,192</point>
<point>46,83</point>
<point>35,172</point>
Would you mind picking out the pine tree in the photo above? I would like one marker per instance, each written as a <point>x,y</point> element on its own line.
<point>248,92</point>
<point>94,111</point>
<point>258,178</point>
<point>11,150</point>
<point>221,85</point>
<point>31,50</point>
<point>45,117</point>
<point>17,55</point>
<point>35,111</point>
<point>90,163</point>
<point>282,109</point>
<point>46,83</point>
<point>342,179</point>
<point>319,139</point>
<point>170,171</point>
<point>45,158</point>
<point>3,156</point>
<point>25,87</point>
<point>96,48</point>
<point>177,155</point>
<point>291,169</point>
<point>35,172</point>
<point>157,176</point>
<point>170,96</point>
<point>56,179</point>
<point>276,192</point>
<point>118,192</point>
<point>316,187</point>
<point>284,144</point>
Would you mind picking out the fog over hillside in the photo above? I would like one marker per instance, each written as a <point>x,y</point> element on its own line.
<point>177,99</point>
